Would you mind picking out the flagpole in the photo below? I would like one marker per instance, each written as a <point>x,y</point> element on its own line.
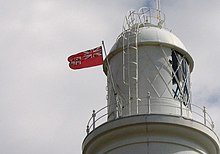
<point>112,80</point>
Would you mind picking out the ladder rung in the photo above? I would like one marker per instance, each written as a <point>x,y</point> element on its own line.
<point>125,83</point>
<point>133,63</point>
<point>133,47</point>
<point>134,78</point>
<point>125,52</point>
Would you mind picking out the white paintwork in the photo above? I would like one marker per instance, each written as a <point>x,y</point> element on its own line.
<point>151,134</point>
<point>143,115</point>
<point>155,35</point>
<point>154,48</point>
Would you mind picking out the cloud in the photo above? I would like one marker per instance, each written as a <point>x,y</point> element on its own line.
<point>45,105</point>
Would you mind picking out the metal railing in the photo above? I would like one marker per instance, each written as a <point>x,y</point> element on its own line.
<point>199,114</point>
<point>144,16</point>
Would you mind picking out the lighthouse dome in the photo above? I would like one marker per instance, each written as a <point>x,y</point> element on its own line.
<point>152,34</point>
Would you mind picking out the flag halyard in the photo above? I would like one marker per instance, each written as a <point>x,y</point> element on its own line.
<point>89,58</point>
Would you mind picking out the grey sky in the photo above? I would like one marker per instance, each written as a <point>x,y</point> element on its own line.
<point>45,105</point>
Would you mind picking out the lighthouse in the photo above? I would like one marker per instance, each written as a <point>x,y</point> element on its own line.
<point>149,104</point>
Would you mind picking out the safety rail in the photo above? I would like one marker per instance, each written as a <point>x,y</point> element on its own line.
<point>93,118</point>
<point>199,114</point>
<point>144,16</point>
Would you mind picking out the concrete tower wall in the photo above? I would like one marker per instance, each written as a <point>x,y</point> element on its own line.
<point>151,134</point>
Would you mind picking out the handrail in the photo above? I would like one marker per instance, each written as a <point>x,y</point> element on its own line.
<point>144,16</point>
<point>199,114</point>
<point>89,126</point>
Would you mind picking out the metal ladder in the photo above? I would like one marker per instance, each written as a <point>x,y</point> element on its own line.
<point>130,60</point>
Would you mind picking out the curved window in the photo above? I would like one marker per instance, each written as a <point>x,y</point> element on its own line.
<point>180,77</point>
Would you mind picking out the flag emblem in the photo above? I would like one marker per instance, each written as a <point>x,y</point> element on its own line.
<point>88,58</point>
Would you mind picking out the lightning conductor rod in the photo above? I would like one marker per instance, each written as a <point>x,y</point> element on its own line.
<point>158,8</point>
<point>109,69</point>
<point>158,4</point>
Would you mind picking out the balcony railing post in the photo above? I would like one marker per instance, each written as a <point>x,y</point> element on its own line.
<point>117,106</point>
<point>87,129</point>
<point>213,125</point>
<point>148,96</point>
<point>93,119</point>
<point>181,108</point>
<point>204,111</point>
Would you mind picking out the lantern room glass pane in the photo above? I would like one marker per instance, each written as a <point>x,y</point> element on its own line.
<point>180,77</point>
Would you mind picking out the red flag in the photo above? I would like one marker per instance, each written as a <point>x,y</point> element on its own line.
<point>87,58</point>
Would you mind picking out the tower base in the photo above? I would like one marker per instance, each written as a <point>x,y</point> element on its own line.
<point>151,134</point>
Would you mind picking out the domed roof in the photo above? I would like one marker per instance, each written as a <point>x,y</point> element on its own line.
<point>154,35</point>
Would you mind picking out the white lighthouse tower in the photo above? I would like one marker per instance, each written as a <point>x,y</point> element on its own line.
<point>149,108</point>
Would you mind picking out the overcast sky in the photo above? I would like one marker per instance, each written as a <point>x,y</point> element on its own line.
<point>44,105</point>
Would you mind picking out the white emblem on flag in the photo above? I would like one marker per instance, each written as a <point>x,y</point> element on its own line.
<point>97,54</point>
<point>75,62</point>
<point>87,52</point>
<point>77,59</point>
<point>87,56</point>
